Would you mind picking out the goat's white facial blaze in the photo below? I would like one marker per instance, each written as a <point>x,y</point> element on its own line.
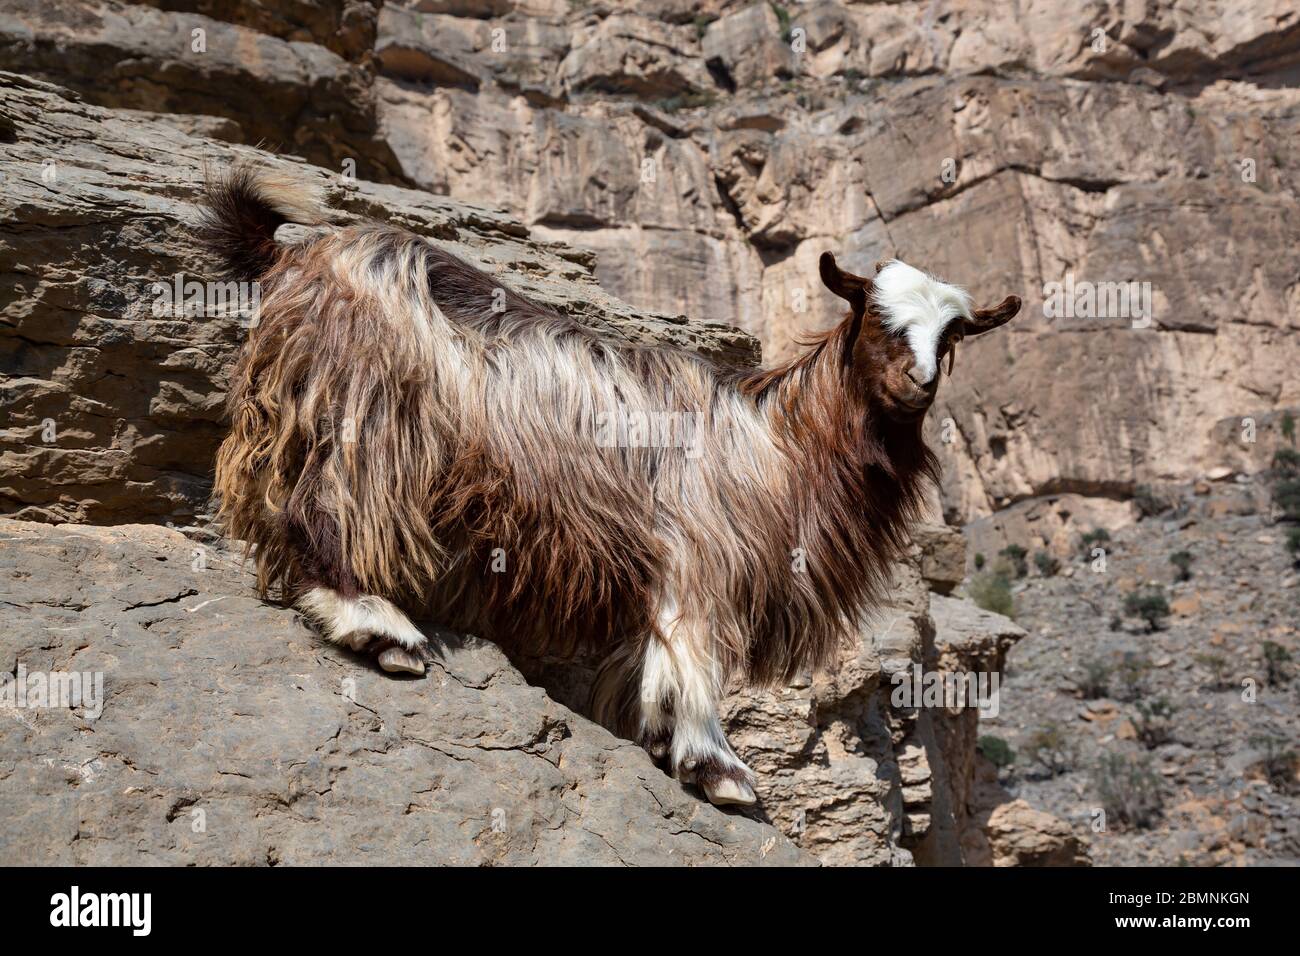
<point>920,307</point>
<point>353,622</point>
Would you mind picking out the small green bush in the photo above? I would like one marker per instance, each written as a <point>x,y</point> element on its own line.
<point>1148,503</point>
<point>1288,427</point>
<point>1154,724</point>
<point>1050,751</point>
<point>1182,561</point>
<point>1293,544</point>
<point>1276,658</point>
<point>1131,793</point>
<point>979,560</point>
<point>992,592</point>
<point>1286,463</point>
<point>1047,564</point>
<point>783,19</point>
<point>1217,665</point>
<point>1148,606</point>
<point>997,750</point>
<point>1016,555</point>
<point>1132,673</point>
<point>1286,495</point>
<point>1092,539</point>
<point>1095,682</point>
<point>1279,761</point>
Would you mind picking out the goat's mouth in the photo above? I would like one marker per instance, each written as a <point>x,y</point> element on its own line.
<point>913,407</point>
<point>915,400</point>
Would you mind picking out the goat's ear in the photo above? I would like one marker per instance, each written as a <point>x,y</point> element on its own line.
<point>846,285</point>
<point>982,320</point>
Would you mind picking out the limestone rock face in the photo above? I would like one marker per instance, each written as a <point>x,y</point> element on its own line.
<point>707,153</point>
<point>694,159</point>
<point>835,761</point>
<point>748,46</point>
<point>227,734</point>
<point>628,53</point>
<point>969,641</point>
<point>1028,149</point>
<point>113,412</point>
<point>1022,836</point>
<point>346,27</point>
<point>303,96</point>
<point>849,767</point>
<point>942,553</point>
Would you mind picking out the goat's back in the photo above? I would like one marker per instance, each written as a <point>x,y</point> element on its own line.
<point>404,425</point>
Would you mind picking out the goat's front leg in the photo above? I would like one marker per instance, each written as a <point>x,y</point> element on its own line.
<point>681,684</point>
<point>366,622</point>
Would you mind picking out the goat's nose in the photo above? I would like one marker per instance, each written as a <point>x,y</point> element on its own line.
<point>917,376</point>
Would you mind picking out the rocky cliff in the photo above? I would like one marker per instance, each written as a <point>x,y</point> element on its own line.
<point>707,152</point>
<point>1002,146</point>
<point>859,777</point>
<point>228,734</point>
<point>113,411</point>
<point>224,732</point>
<point>684,160</point>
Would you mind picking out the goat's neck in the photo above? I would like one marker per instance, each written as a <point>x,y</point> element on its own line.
<point>859,476</point>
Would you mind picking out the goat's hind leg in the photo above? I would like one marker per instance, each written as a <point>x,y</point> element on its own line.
<point>365,622</point>
<point>618,703</point>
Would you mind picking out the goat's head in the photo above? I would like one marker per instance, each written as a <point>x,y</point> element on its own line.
<point>902,325</point>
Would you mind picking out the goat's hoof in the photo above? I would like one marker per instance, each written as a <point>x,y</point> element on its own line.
<point>725,781</point>
<point>656,744</point>
<point>357,641</point>
<point>725,791</point>
<point>395,660</point>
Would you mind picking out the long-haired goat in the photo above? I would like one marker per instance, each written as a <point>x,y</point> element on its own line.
<point>407,433</point>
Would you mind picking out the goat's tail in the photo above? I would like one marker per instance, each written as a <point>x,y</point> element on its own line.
<point>242,210</point>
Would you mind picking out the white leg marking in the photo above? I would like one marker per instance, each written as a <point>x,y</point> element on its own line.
<point>352,622</point>
<point>657,690</point>
<point>680,687</point>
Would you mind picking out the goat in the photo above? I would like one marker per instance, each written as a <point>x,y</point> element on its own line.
<point>409,435</point>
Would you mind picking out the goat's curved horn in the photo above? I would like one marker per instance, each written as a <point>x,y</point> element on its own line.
<point>982,320</point>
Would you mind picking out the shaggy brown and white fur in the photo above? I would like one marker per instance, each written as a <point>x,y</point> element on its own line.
<point>411,436</point>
